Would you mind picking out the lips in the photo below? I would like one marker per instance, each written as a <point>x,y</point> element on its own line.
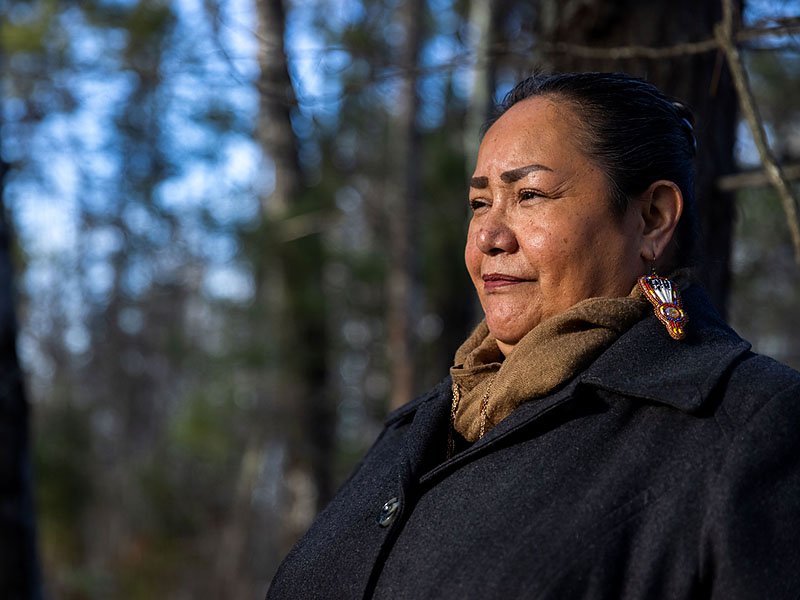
<point>492,281</point>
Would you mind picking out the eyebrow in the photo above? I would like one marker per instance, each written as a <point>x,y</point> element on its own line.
<point>479,183</point>
<point>517,174</point>
<point>511,176</point>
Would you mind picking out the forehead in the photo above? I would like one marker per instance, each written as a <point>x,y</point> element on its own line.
<point>540,128</point>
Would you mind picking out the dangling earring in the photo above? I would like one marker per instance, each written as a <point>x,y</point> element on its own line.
<point>666,301</point>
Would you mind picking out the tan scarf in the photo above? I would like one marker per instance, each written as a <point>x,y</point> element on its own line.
<point>549,355</point>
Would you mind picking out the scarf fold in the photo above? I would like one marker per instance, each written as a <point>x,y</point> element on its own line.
<point>548,356</point>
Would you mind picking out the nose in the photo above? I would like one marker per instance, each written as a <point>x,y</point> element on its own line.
<point>495,236</point>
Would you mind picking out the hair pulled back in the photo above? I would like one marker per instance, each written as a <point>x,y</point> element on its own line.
<point>632,131</point>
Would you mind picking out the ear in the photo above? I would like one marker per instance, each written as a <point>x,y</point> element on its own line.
<point>661,206</point>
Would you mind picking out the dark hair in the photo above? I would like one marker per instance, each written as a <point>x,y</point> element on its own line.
<point>633,131</point>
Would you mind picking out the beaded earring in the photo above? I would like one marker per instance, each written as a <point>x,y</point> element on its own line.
<point>666,300</point>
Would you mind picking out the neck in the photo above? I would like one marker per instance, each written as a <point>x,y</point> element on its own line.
<point>506,349</point>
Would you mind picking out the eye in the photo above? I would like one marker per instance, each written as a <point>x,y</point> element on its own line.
<point>530,194</point>
<point>477,203</point>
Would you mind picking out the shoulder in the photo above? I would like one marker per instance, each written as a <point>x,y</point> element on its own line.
<point>405,412</point>
<point>712,369</point>
<point>757,383</point>
<point>753,520</point>
<point>423,411</point>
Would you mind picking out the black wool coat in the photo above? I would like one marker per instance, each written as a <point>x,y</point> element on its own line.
<point>665,470</point>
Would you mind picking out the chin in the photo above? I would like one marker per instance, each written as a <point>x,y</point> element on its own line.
<point>508,335</point>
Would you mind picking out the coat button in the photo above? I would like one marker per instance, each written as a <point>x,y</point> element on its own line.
<point>388,512</point>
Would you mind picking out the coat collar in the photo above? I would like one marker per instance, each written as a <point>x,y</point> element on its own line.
<point>646,363</point>
<point>643,363</point>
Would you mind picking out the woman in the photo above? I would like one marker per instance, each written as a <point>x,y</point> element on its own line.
<point>587,444</point>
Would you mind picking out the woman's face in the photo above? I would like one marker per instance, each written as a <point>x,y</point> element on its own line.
<point>543,234</point>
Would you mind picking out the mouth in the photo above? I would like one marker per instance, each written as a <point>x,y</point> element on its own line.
<point>492,281</point>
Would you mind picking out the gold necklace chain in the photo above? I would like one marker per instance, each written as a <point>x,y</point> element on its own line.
<point>454,409</point>
<point>484,406</point>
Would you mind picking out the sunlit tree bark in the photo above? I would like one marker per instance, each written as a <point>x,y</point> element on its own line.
<point>403,202</point>
<point>484,26</point>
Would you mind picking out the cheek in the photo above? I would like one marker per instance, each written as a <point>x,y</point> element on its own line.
<point>562,249</point>
<point>541,241</point>
<point>593,256</point>
<point>579,234</point>
<point>472,256</point>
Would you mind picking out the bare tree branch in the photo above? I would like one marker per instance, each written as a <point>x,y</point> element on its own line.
<point>625,52</point>
<point>724,33</point>
<point>682,49</point>
<point>754,178</point>
<point>310,223</point>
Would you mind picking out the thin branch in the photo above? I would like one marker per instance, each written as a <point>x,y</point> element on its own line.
<point>724,33</point>
<point>296,227</point>
<point>774,20</point>
<point>754,178</point>
<point>787,47</point>
<point>681,49</point>
<point>624,52</point>
<point>784,29</point>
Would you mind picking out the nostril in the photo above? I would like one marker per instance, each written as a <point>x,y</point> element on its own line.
<point>497,241</point>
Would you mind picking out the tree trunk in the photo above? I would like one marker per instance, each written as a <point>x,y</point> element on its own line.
<point>19,576</point>
<point>276,101</point>
<point>702,81</point>
<point>290,284</point>
<point>485,18</point>
<point>484,23</point>
<point>402,205</point>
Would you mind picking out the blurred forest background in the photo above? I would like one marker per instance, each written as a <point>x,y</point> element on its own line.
<point>236,230</point>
